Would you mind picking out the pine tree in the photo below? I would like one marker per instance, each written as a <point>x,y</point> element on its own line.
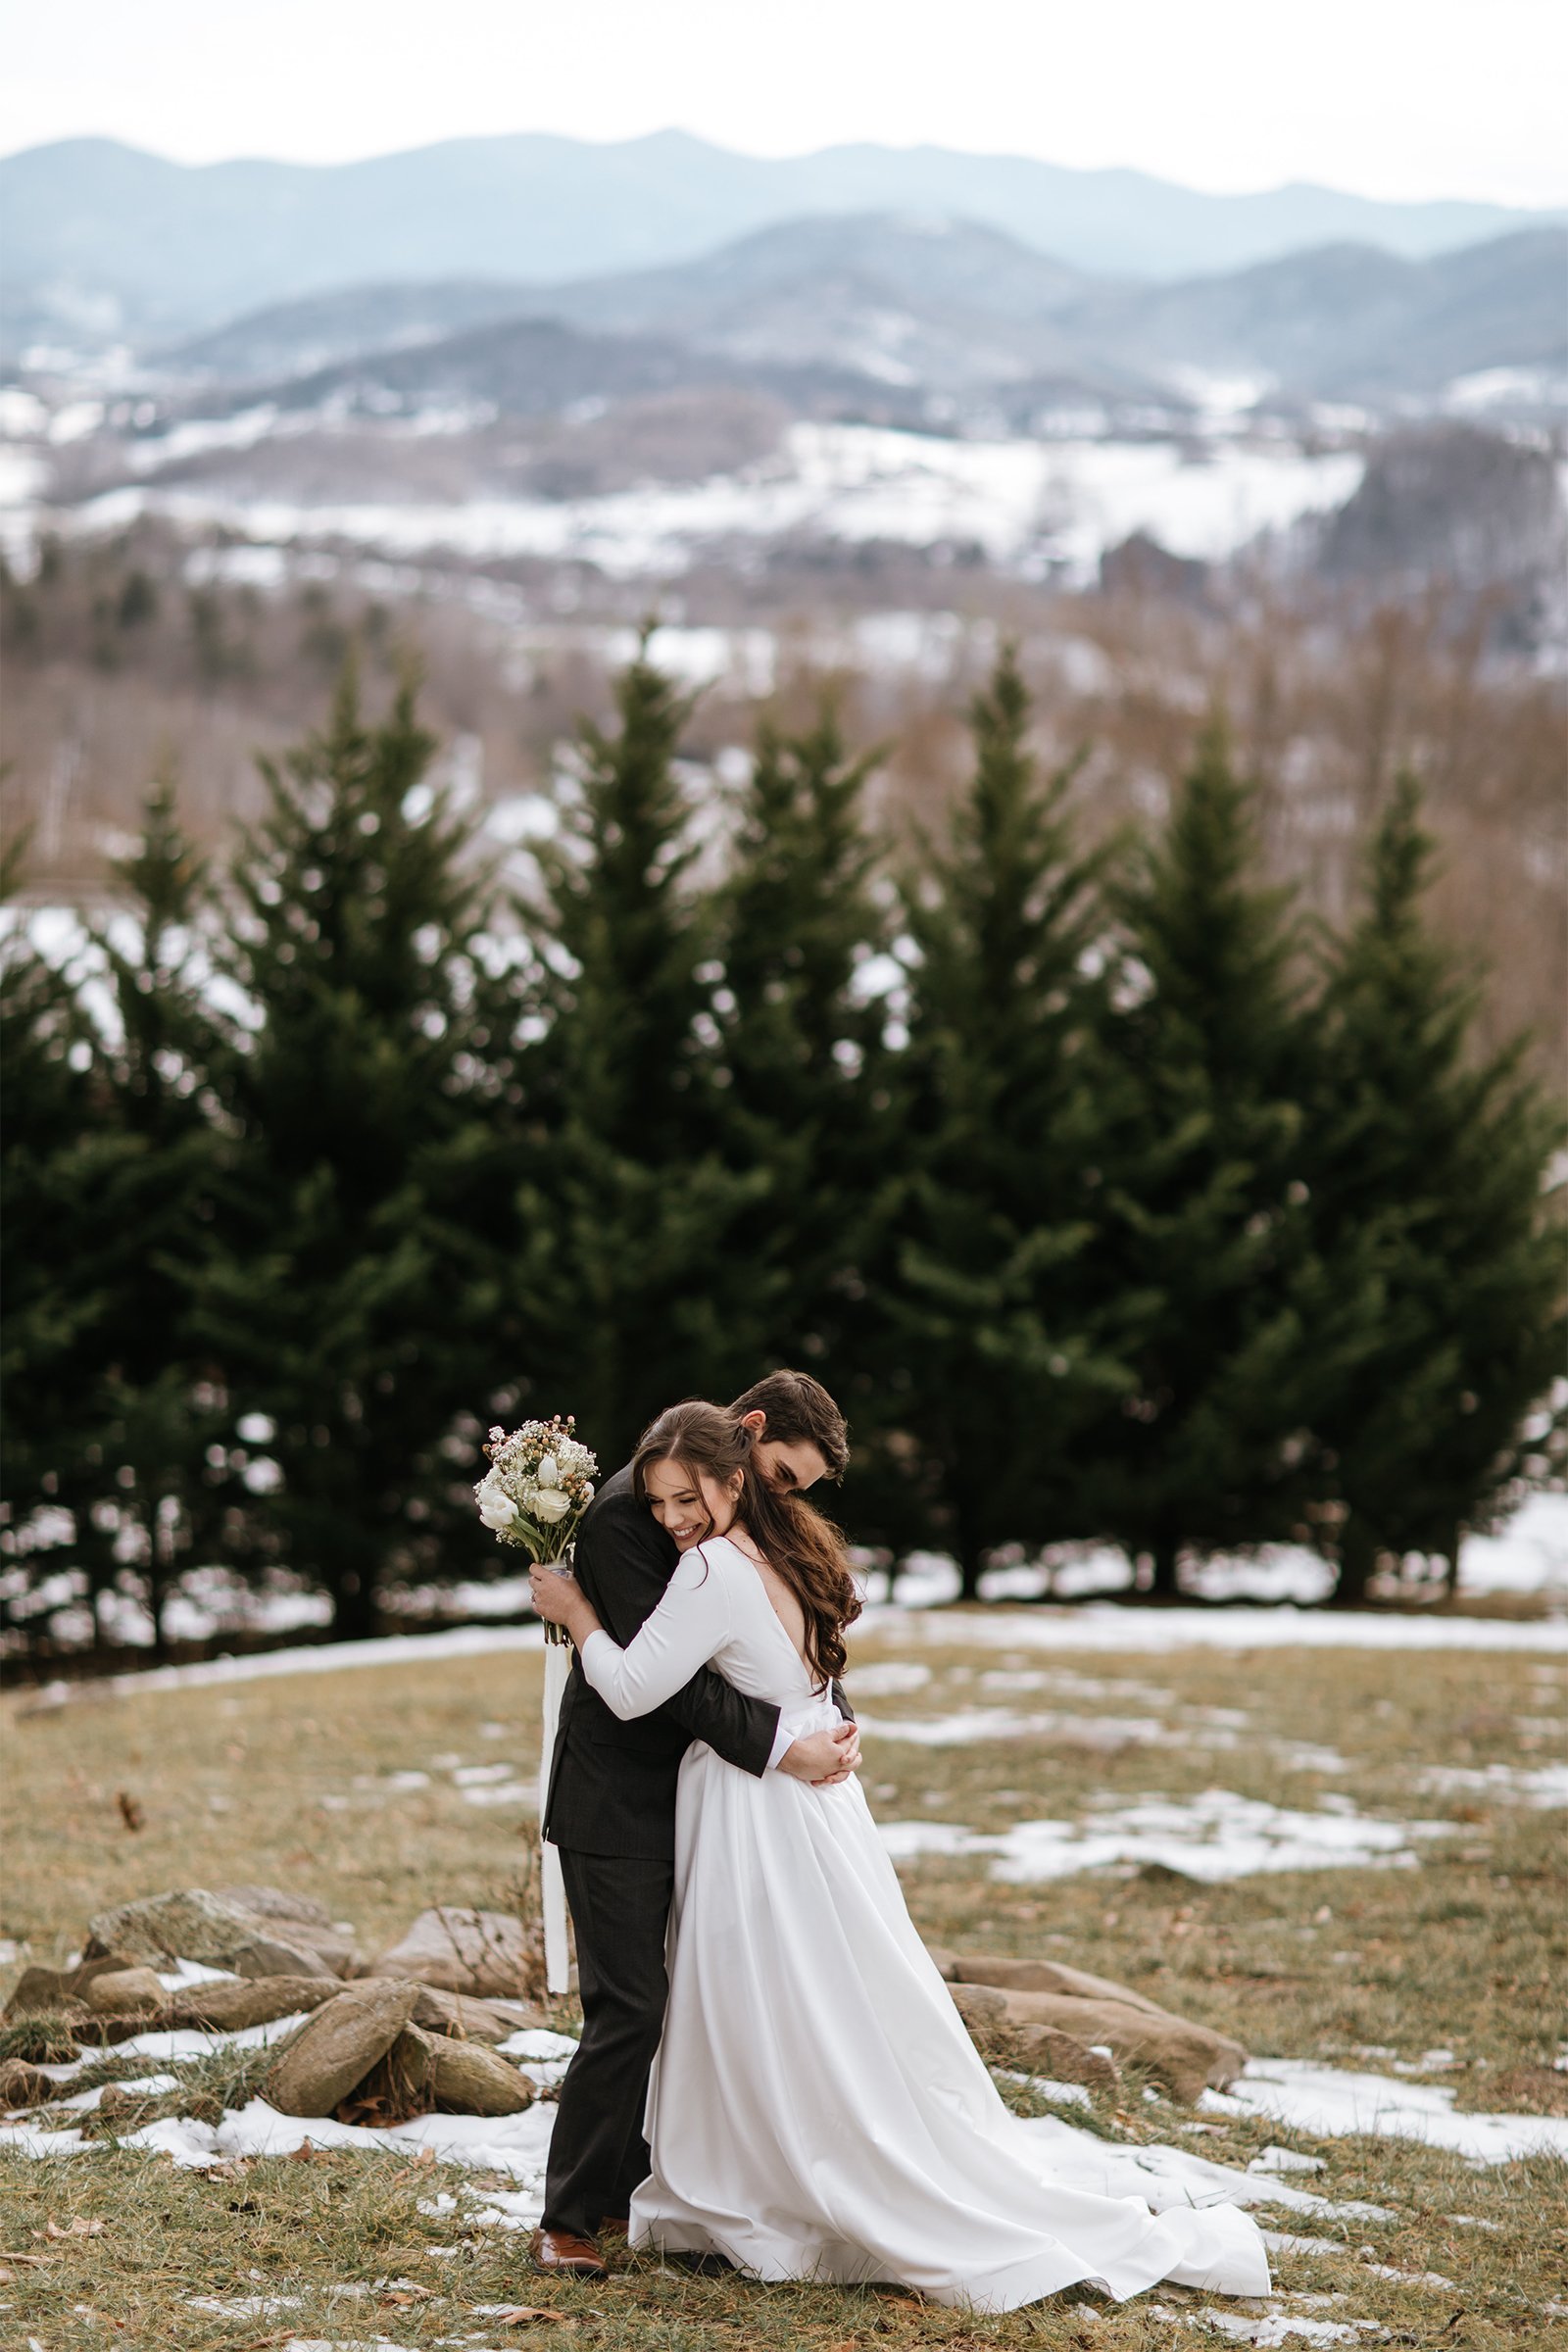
<point>51,1304</point>
<point>627,1257</point>
<point>996,1346</point>
<point>352,1289</point>
<point>804,1082</point>
<point>111,1157</point>
<point>1228,1320</point>
<point>1430,1163</point>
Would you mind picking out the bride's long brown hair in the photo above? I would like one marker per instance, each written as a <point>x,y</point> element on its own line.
<point>797,1544</point>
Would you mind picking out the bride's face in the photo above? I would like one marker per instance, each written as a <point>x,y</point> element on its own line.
<point>689,1503</point>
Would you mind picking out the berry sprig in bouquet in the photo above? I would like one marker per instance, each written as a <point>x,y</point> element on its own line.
<point>536,1490</point>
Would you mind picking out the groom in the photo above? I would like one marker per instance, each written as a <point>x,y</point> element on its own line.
<point>611,1812</point>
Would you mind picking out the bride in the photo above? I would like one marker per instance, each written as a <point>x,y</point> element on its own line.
<point>818,2109</point>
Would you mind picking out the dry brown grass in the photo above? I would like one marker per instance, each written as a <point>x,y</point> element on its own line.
<point>1466,1952</point>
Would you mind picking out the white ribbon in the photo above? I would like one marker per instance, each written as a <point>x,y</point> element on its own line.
<point>552,1891</point>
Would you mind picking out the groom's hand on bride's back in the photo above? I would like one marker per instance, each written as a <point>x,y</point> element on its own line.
<point>824,1758</point>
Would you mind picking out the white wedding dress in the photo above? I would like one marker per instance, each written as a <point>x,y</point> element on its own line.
<point>818,2109</point>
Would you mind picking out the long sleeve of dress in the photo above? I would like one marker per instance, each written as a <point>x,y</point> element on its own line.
<point>690,1624</point>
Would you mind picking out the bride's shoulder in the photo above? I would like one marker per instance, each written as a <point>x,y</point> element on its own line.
<point>714,1554</point>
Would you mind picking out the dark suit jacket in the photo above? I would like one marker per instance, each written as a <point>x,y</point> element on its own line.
<point>613,1784</point>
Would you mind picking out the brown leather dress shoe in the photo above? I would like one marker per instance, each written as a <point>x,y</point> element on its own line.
<point>558,2250</point>
<point>615,2224</point>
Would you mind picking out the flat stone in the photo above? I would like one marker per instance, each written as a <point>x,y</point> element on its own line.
<point>469,2020</point>
<point>1063,2057</point>
<point>1034,2048</point>
<point>190,1923</point>
<point>230,2008</point>
<point>185,1924</point>
<point>457,1950</point>
<point>468,2078</point>
<point>298,1922</point>
<point>126,1992</point>
<point>981,2009</point>
<point>39,1992</point>
<point>267,1956</point>
<point>1187,2058</point>
<point>336,2047</point>
<point>1045,1975</point>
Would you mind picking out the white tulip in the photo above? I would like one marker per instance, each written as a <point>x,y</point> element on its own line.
<point>548,1473</point>
<point>550,1504</point>
<point>496,1510</point>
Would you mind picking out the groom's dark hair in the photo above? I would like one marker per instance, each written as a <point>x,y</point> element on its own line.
<point>799,1412</point>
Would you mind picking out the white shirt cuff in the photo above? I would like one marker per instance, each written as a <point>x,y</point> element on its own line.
<point>783,1741</point>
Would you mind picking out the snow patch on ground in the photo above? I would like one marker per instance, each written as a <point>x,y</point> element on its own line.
<point>337,1657</point>
<point>1327,2102</point>
<point>1102,1626</point>
<point>1213,1727</point>
<point>1274,2327</point>
<point>1212,1836</point>
<point>893,1680</point>
<point>1542,1786</point>
<point>997,1723</point>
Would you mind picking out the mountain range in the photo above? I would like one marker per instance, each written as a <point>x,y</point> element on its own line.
<point>897,312</point>
<point>106,241</point>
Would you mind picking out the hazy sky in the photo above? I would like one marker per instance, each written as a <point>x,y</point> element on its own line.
<point>1403,98</point>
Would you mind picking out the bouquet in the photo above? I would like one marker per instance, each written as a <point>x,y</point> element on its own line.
<point>538,1486</point>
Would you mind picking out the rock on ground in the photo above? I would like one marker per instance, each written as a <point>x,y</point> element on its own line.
<point>230,2008</point>
<point>43,1991</point>
<point>126,1992</point>
<point>1187,2058</point>
<point>1048,1997</point>
<point>190,1923</point>
<point>1046,1976</point>
<point>336,2047</point>
<point>476,1953</point>
<point>301,1922</point>
<point>24,2086</point>
<point>468,2078</point>
<point>421,2071</point>
<point>1035,2049</point>
<point>264,1956</point>
<point>469,2020</point>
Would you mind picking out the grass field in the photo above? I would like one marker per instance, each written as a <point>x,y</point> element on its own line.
<point>310,1782</point>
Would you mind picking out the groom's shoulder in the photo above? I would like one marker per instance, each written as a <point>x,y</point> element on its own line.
<point>614,1497</point>
<point>615,1513</point>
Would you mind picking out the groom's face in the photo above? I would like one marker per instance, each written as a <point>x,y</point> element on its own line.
<point>792,1464</point>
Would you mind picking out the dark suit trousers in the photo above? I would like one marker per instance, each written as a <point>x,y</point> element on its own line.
<point>597,2155</point>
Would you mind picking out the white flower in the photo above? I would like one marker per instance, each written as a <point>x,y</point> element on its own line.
<point>496,1509</point>
<point>547,1474</point>
<point>548,1505</point>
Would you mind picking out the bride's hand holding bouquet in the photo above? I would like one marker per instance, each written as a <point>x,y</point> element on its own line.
<point>567,1612</point>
